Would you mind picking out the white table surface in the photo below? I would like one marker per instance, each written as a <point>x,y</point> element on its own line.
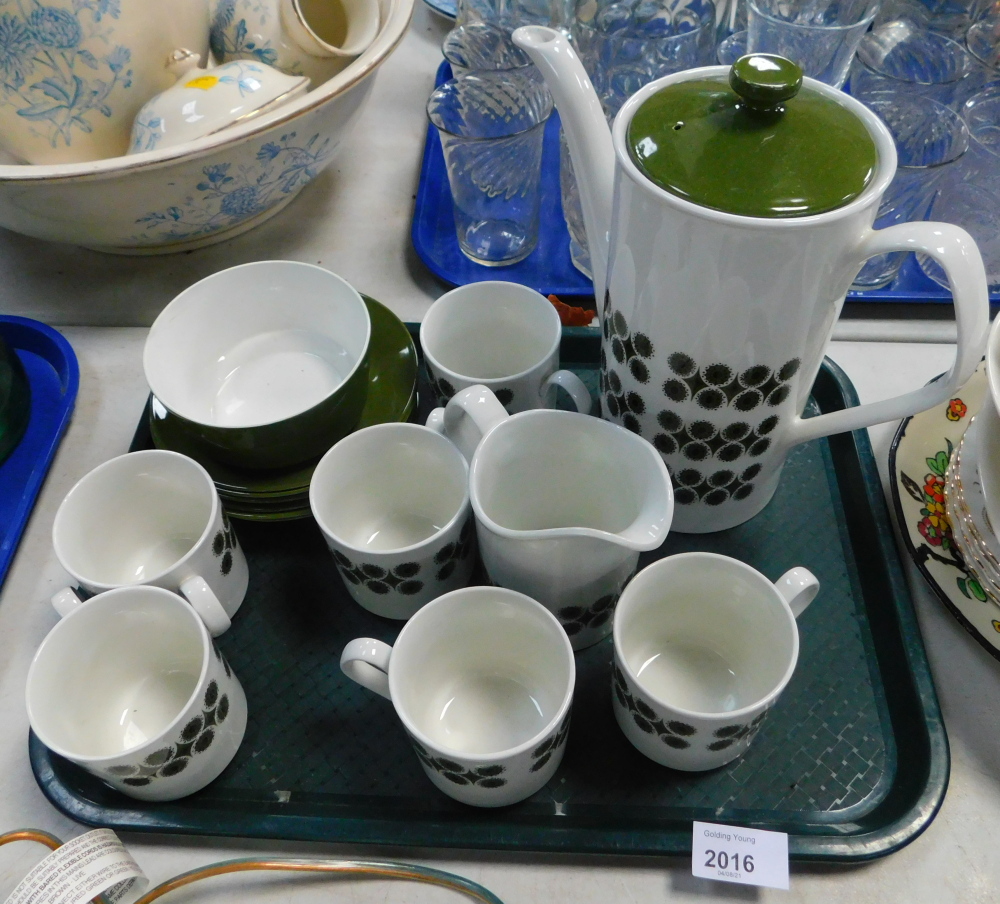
<point>355,220</point>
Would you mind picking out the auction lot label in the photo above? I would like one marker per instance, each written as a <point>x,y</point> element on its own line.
<point>734,854</point>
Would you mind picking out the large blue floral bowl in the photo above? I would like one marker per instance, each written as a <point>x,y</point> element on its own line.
<point>74,73</point>
<point>204,191</point>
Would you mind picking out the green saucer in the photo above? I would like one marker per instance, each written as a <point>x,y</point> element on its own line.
<point>392,394</point>
<point>269,517</point>
<point>291,512</point>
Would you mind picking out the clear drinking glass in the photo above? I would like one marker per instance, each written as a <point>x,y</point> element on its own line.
<point>983,38</point>
<point>953,17</point>
<point>510,14</point>
<point>482,46</point>
<point>914,11</point>
<point>820,35</point>
<point>968,195</point>
<point>624,46</point>
<point>732,48</point>
<point>491,126</point>
<point>948,17</point>
<point>731,17</point>
<point>901,56</point>
<point>929,137</point>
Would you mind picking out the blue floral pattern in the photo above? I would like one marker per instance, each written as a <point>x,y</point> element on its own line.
<point>228,195</point>
<point>146,132</point>
<point>231,38</point>
<point>49,75</point>
<point>240,74</point>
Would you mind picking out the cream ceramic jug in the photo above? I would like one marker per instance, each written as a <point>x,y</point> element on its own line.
<point>564,504</point>
<point>715,319</point>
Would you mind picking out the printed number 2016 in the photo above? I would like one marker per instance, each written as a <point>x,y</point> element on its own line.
<point>722,860</point>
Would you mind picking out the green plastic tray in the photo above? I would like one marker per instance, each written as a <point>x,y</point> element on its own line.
<point>852,763</point>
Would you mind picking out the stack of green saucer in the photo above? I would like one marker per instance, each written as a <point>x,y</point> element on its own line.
<point>283,495</point>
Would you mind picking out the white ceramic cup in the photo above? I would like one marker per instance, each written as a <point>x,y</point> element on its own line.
<point>151,517</point>
<point>482,679</point>
<point>76,74</point>
<point>392,501</point>
<point>984,432</point>
<point>131,688</point>
<point>564,504</point>
<point>503,336</point>
<point>704,644</point>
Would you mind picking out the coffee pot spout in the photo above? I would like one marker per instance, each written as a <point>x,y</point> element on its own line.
<point>587,134</point>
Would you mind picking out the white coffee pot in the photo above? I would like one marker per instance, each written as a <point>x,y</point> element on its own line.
<point>725,230</point>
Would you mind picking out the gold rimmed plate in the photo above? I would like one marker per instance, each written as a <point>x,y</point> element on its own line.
<point>975,541</point>
<point>918,465</point>
<point>392,382</point>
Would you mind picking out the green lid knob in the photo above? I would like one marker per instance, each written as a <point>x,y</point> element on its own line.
<point>765,81</point>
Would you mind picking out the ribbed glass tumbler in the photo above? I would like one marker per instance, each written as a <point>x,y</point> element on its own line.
<point>899,56</point>
<point>968,195</point>
<point>820,37</point>
<point>929,138</point>
<point>482,47</point>
<point>491,126</point>
<point>624,46</point>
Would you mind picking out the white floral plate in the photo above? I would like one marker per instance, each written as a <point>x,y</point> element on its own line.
<point>918,460</point>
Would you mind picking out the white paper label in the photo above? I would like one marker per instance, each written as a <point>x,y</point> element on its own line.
<point>91,864</point>
<point>746,856</point>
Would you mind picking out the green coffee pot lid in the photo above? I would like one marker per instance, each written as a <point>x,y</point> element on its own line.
<point>760,145</point>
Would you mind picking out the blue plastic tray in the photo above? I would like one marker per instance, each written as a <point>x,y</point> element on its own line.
<point>549,268</point>
<point>54,376</point>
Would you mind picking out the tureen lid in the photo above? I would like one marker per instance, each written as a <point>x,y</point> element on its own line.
<point>759,145</point>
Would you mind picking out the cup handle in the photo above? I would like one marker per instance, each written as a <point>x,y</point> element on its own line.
<point>435,420</point>
<point>569,381</point>
<point>955,250</point>
<point>366,661</point>
<point>66,601</point>
<point>204,601</point>
<point>798,587</point>
<point>468,417</point>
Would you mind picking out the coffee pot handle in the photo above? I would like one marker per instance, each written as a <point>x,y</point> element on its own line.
<point>955,250</point>
<point>468,417</point>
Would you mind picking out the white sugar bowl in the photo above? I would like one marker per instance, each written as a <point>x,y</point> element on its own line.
<point>204,101</point>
